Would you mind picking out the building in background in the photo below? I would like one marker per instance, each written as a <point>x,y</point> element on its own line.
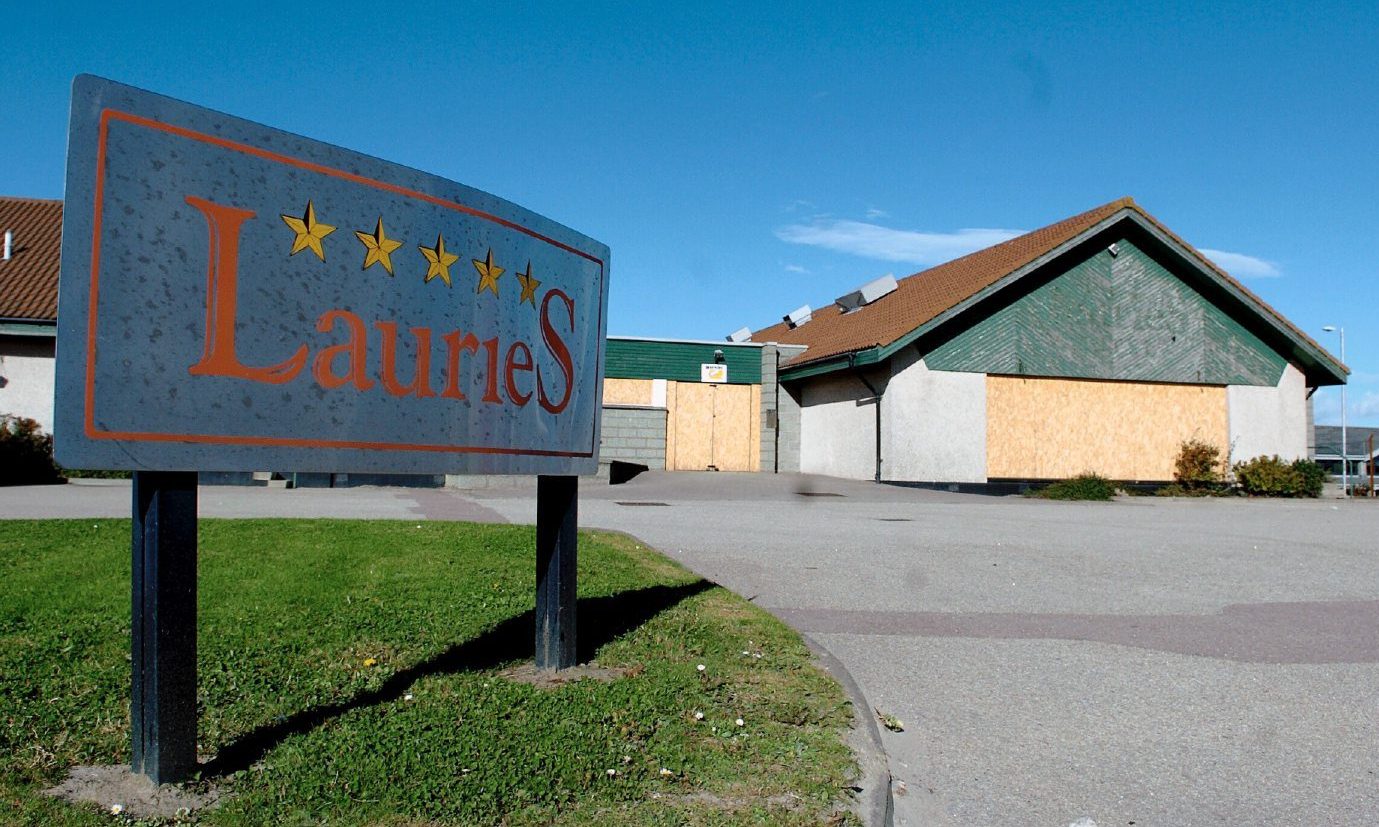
<point>30,246</point>
<point>685,405</point>
<point>1096,344</point>
<point>1362,452</point>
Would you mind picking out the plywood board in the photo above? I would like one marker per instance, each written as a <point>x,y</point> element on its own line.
<point>734,416</point>
<point>691,423</point>
<point>1058,428</point>
<point>754,461</point>
<point>627,391</point>
<point>713,426</point>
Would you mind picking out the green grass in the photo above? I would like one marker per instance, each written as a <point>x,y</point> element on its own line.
<point>314,633</point>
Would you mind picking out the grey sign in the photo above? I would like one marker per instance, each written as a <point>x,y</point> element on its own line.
<point>234,297</point>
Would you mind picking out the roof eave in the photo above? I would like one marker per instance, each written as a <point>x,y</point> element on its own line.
<point>41,328</point>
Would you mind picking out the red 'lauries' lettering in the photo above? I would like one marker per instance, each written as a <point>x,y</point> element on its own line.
<point>345,364</point>
<point>222,301</point>
<point>558,349</point>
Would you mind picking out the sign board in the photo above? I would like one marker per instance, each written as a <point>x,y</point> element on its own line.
<point>713,372</point>
<point>235,298</point>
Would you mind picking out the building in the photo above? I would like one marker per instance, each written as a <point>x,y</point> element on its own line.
<point>1099,343</point>
<point>30,242</point>
<point>1362,450</point>
<point>685,405</point>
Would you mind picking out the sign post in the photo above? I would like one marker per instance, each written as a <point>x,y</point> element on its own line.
<point>162,709</point>
<point>557,518</point>
<point>237,298</point>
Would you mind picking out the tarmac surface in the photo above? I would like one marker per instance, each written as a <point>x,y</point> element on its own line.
<point>1142,662</point>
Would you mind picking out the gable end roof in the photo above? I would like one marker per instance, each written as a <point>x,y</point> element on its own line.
<point>928,298</point>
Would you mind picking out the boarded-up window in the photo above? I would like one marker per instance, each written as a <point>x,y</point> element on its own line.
<point>1058,428</point>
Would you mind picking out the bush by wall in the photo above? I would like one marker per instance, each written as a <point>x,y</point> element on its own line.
<point>1081,487</point>
<point>1276,477</point>
<point>1199,466</point>
<point>26,453</point>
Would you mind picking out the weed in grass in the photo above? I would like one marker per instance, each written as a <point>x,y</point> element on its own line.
<point>350,673</point>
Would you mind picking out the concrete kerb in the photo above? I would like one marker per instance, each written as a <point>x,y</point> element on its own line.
<point>875,804</point>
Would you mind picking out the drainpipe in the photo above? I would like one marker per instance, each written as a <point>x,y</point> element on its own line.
<point>877,396</point>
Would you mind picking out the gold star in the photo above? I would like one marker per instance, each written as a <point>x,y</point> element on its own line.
<point>488,273</point>
<point>379,247</point>
<point>438,260</point>
<point>529,286</point>
<point>309,232</point>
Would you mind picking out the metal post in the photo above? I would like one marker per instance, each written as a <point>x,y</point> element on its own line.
<point>163,626</point>
<point>1345,446</point>
<point>557,520</point>
<point>1345,453</point>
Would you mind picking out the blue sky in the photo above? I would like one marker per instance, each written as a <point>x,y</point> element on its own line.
<point>744,159</point>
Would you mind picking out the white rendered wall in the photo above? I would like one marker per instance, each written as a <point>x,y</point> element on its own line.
<point>26,379</point>
<point>837,435</point>
<point>1269,420</point>
<point>933,424</point>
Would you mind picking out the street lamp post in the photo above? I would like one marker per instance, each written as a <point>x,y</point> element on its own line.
<point>1345,459</point>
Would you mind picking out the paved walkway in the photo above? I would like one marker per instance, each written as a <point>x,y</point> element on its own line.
<point>1142,662</point>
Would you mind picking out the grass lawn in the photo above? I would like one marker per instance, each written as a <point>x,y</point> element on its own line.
<point>351,673</point>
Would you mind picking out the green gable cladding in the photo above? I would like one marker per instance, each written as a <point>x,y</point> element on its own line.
<point>1120,316</point>
<point>679,361</point>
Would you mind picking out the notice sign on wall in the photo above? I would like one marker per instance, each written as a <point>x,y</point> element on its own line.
<point>234,297</point>
<point>713,372</point>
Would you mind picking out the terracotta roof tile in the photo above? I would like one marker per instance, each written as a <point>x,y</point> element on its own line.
<point>28,280</point>
<point>925,295</point>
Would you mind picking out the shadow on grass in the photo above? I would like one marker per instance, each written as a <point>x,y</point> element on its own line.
<point>600,620</point>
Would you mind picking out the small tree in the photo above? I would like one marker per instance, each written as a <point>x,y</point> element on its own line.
<point>1199,465</point>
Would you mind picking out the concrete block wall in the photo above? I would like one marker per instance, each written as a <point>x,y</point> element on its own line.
<point>634,434</point>
<point>787,441</point>
<point>768,408</point>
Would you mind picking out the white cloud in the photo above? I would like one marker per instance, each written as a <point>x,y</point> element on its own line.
<point>874,213</point>
<point>874,241</point>
<point>1366,407</point>
<point>1362,408</point>
<point>795,268</point>
<point>1239,264</point>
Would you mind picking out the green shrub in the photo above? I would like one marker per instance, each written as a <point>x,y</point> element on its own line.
<point>1199,465</point>
<point>26,453</point>
<point>1174,489</point>
<point>1311,477</point>
<point>89,474</point>
<point>1081,487</point>
<point>1276,477</point>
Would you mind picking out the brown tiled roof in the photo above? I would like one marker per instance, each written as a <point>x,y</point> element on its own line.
<point>925,295</point>
<point>28,281</point>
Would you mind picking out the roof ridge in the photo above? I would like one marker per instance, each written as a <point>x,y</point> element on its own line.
<point>1109,208</point>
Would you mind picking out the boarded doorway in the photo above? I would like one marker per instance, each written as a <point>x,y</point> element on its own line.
<point>713,427</point>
